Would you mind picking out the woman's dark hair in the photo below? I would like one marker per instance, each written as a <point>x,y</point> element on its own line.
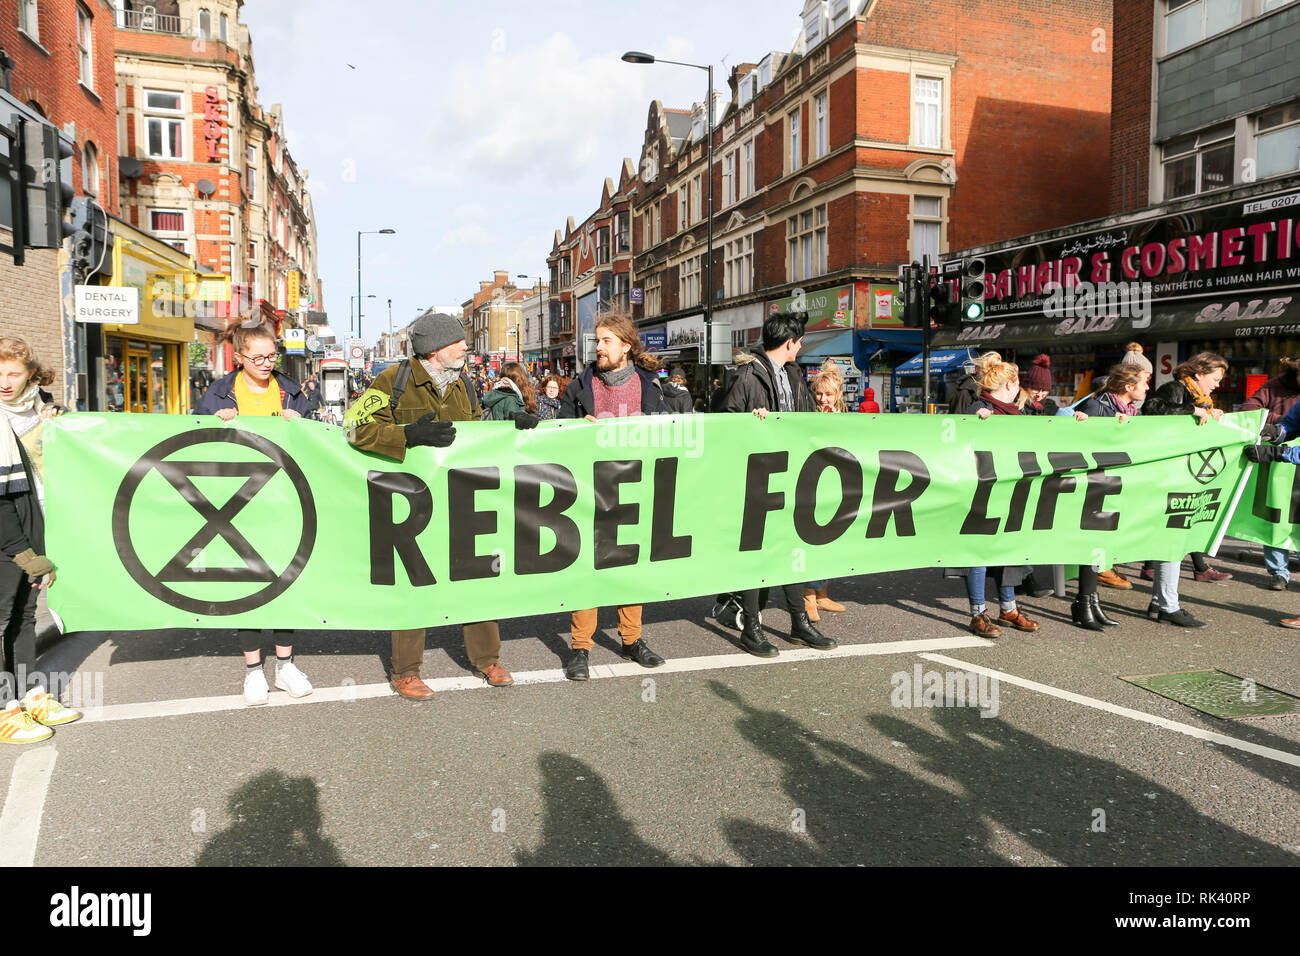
<point>1202,363</point>
<point>559,382</point>
<point>781,327</point>
<point>519,375</point>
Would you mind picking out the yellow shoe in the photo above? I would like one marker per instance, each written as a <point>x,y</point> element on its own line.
<point>47,710</point>
<point>16,727</point>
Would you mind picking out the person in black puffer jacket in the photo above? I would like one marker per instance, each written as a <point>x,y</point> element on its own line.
<point>677,397</point>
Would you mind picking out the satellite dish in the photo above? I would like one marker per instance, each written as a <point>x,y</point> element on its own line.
<point>313,343</point>
<point>206,187</point>
<point>130,166</point>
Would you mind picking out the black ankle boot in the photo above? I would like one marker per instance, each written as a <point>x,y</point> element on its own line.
<point>753,641</point>
<point>1098,614</point>
<point>803,632</point>
<point>1082,616</point>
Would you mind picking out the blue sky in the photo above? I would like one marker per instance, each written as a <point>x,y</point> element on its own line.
<point>476,129</point>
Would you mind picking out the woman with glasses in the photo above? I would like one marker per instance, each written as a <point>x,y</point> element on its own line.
<point>256,388</point>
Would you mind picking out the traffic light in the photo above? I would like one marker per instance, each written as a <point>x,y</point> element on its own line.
<point>909,289</point>
<point>943,310</point>
<point>47,191</point>
<point>972,290</point>
<point>92,240</point>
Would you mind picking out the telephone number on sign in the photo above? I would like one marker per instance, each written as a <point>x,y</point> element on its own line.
<point>1269,330</point>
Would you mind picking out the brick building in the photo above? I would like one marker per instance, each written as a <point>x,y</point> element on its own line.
<point>892,130</point>
<point>62,72</point>
<point>1203,180</point>
<point>591,268</point>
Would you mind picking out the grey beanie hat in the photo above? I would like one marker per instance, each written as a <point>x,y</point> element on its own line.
<point>1133,356</point>
<point>434,331</point>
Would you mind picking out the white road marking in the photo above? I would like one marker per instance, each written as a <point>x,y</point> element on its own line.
<point>1208,735</point>
<point>20,822</point>
<point>323,695</point>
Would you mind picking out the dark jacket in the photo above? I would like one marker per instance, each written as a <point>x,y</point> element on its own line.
<point>1279,395</point>
<point>677,399</point>
<point>22,523</point>
<point>1099,405</point>
<point>1171,398</point>
<point>579,400</point>
<point>967,392</point>
<point>386,434</point>
<point>547,408</point>
<point>754,387</point>
<point>501,404</point>
<point>221,394</point>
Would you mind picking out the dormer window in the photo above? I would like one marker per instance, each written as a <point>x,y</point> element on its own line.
<point>746,89</point>
<point>841,11</point>
<point>814,23</point>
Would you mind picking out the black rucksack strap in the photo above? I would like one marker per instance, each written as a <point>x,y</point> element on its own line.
<point>473,395</point>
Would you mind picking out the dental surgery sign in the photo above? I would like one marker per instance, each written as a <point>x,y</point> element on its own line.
<point>168,521</point>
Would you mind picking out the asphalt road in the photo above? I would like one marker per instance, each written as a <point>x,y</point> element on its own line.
<point>808,759</point>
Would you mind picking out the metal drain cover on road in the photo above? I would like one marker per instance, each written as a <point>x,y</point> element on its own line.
<point>1219,694</point>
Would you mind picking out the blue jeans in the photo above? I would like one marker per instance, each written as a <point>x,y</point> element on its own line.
<point>1164,592</point>
<point>1275,559</point>
<point>975,578</point>
<point>816,585</point>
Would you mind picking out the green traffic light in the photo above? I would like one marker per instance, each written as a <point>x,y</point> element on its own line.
<point>973,311</point>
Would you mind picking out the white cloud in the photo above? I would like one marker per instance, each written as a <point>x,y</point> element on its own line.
<point>470,234</point>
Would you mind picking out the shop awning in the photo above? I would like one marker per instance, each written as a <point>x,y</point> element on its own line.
<point>940,362</point>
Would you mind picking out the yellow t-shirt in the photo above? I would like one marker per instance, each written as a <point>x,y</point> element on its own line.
<point>257,403</point>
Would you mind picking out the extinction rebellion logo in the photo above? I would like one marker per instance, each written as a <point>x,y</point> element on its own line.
<point>1205,465</point>
<point>187,567</point>
<point>1188,508</point>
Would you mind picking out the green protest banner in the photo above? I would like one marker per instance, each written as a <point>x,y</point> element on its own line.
<point>166,521</point>
<point>1269,512</point>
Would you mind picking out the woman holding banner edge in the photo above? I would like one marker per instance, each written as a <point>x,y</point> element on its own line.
<point>256,388</point>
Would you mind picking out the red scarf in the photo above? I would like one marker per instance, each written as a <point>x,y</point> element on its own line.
<point>1000,407</point>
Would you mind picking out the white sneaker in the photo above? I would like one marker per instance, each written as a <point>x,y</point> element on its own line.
<point>255,689</point>
<point>291,680</point>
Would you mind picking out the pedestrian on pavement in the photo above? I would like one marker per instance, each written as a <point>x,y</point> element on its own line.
<point>1189,393</point>
<point>512,399</point>
<point>621,382</point>
<point>25,570</point>
<point>427,393</point>
<point>677,397</point>
<point>770,381</point>
<point>1119,397</point>
<point>548,402</point>
<point>828,391</point>
<point>1279,395</point>
<point>869,403</point>
<point>312,390</point>
<point>999,387</point>
<point>256,389</point>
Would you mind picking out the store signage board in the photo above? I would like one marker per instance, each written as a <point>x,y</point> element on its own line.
<point>107,304</point>
<point>295,341</point>
<point>827,309</point>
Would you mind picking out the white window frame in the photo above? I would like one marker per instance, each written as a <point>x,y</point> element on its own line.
<point>747,168</point>
<point>203,32</point>
<point>683,206</point>
<point>927,219</point>
<point>921,105</point>
<point>794,126</point>
<point>29,19</point>
<point>166,116</point>
<point>821,123</point>
<point>806,243</point>
<point>1288,123</point>
<point>652,288</point>
<point>225,28</point>
<point>697,198</point>
<point>176,238</point>
<point>689,274</point>
<point>728,179</point>
<point>85,48</point>
<point>1206,141</point>
<point>657,222</point>
<point>1184,7</point>
<point>90,169</point>
<point>738,266</point>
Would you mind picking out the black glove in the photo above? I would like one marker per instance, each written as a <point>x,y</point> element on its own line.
<point>524,420</point>
<point>429,431</point>
<point>1264,453</point>
<point>1271,433</point>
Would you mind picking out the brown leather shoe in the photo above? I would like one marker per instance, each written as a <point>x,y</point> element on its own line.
<point>1113,579</point>
<point>982,626</point>
<point>810,604</point>
<point>413,688</point>
<point>496,675</point>
<point>1290,622</point>
<point>825,603</point>
<point>1017,620</point>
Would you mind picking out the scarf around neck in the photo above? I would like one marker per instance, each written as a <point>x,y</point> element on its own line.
<point>442,377</point>
<point>1199,398</point>
<point>1000,407</point>
<point>1124,407</point>
<point>617,377</point>
<point>22,413</point>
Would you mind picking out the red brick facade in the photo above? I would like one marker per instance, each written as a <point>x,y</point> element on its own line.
<point>1130,131</point>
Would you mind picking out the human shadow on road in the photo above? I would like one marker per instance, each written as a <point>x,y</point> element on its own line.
<point>1050,797</point>
<point>582,824</point>
<point>848,808</point>
<point>278,823</point>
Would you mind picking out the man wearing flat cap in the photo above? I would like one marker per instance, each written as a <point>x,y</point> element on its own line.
<point>418,401</point>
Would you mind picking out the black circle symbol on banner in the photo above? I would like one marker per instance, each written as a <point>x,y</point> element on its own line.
<point>218,522</point>
<point>1205,465</point>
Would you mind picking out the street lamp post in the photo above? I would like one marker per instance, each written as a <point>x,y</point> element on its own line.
<point>634,56</point>
<point>353,308</point>
<point>368,232</point>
